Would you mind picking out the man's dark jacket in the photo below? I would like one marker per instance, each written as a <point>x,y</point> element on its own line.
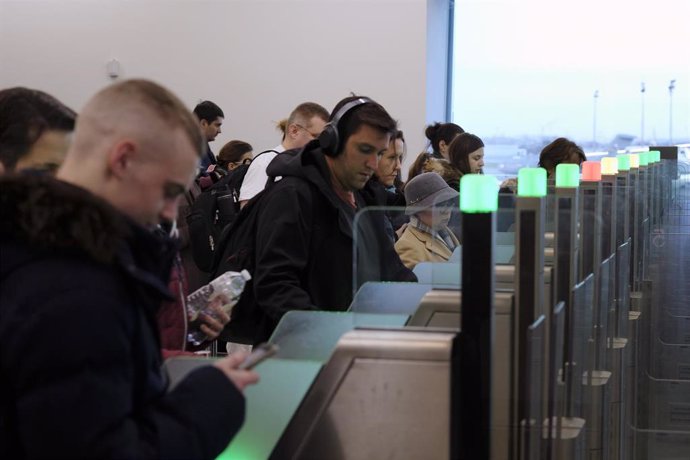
<point>207,160</point>
<point>79,349</point>
<point>304,242</point>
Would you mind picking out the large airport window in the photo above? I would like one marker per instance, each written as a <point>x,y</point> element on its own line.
<point>609,75</point>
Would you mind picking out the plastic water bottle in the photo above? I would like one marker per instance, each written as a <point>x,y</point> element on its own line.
<point>223,292</point>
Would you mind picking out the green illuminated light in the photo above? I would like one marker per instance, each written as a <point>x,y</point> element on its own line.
<point>532,182</point>
<point>654,156</point>
<point>623,162</point>
<point>478,193</point>
<point>644,158</point>
<point>567,175</point>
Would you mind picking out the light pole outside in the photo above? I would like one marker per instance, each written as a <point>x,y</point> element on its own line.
<point>642,91</point>
<point>671,87</point>
<point>594,118</point>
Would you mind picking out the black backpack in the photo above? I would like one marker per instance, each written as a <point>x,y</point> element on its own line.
<point>212,211</point>
<point>236,252</point>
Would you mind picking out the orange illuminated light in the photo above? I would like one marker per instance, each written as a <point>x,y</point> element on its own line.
<point>591,171</point>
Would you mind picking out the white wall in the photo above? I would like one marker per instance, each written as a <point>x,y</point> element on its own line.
<point>257,59</point>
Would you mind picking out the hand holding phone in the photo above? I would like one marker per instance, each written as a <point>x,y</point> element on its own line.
<point>230,366</point>
<point>258,354</point>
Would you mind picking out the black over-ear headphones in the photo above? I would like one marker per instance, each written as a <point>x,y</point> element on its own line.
<point>329,139</point>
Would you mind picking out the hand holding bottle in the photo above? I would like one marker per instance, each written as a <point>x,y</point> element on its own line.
<point>209,307</point>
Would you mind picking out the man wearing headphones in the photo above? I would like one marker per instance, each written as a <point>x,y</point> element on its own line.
<point>304,241</point>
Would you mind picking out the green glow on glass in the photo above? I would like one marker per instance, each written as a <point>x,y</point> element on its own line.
<point>623,162</point>
<point>567,175</point>
<point>654,156</point>
<point>532,182</point>
<point>478,193</point>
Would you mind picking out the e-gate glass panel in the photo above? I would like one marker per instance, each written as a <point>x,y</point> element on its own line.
<point>433,252</point>
<point>532,425</point>
<point>270,405</point>
<point>389,297</point>
<point>580,364</point>
<point>554,373</point>
<point>313,335</point>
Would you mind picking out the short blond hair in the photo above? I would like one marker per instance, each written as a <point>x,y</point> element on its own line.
<point>127,98</point>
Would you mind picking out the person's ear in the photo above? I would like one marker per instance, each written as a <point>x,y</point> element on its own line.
<point>292,130</point>
<point>121,158</point>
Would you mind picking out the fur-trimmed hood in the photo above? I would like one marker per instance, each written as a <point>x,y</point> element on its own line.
<point>42,216</point>
<point>46,213</point>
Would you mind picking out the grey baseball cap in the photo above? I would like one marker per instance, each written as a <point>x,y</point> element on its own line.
<point>425,191</point>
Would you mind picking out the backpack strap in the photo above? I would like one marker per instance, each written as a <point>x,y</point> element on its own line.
<point>265,151</point>
<point>245,214</point>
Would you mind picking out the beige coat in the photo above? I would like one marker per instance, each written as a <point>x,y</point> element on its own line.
<point>416,246</point>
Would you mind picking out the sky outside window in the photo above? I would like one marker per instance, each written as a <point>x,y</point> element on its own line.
<point>531,68</point>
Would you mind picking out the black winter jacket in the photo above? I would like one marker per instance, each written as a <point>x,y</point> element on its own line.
<point>375,192</point>
<point>79,349</point>
<point>304,242</point>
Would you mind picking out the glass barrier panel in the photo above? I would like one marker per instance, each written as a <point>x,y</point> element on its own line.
<point>313,335</point>
<point>271,404</point>
<point>389,297</point>
<point>534,388</point>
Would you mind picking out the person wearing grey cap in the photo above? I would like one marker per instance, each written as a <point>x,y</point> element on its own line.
<point>427,237</point>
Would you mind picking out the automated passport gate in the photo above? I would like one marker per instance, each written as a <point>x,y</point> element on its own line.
<point>622,307</point>
<point>382,394</point>
<point>554,329</point>
<point>341,417</point>
<point>658,396</point>
<point>474,405</point>
<point>582,348</point>
<point>440,312</point>
<point>575,353</point>
<point>532,411</point>
<point>613,209</point>
<point>597,240</point>
<point>640,226</point>
<point>662,426</point>
<point>643,190</point>
<point>622,350</point>
<point>336,392</point>
<point>519,402</point>
<point>594,206</point>
<point>508,435</point>
<point>325,427</point>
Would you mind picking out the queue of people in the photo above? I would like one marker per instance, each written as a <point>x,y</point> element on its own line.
<point>96,252</point>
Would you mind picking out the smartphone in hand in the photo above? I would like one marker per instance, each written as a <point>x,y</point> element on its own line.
<point>258,354</point>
